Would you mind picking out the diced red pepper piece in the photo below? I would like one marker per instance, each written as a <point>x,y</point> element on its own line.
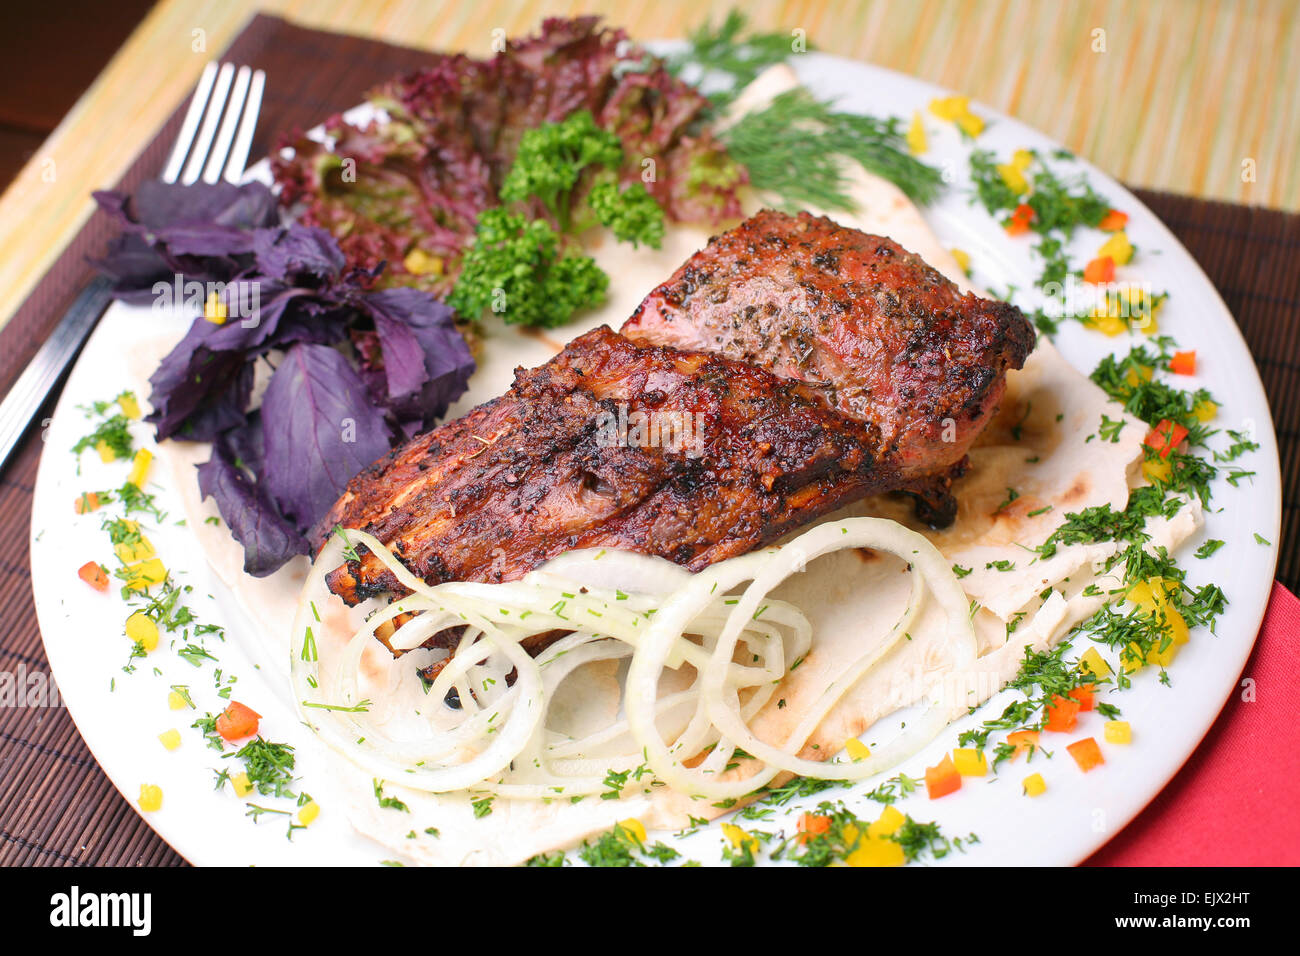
<point>1113,221</point>
<point>811,825</point>
<point>1099,271</point>
<point>1018,225</point>
<point>942,779</point>
<point>1022,740</point>
<point>1086,753</point>
<point>94,575</point>
<point>1062,714</point>
<point>237,721</point>
<point>1086,697</point>
<point>1183,363</point>
<point>1165,437</point>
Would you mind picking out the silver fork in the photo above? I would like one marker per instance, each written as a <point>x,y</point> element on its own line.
<point>223,96</point>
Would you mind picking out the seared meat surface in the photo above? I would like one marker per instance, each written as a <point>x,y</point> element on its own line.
<point>569,458</point>
<point>798,366</point>
<point>883,337</point>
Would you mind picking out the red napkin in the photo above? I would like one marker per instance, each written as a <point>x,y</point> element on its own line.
<point>1234,802</point>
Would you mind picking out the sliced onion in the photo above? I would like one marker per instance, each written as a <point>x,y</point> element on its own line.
<point>618,605</point>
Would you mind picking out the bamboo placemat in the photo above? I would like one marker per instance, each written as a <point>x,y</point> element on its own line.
<point>58,808</point>
<point>1176,95</point>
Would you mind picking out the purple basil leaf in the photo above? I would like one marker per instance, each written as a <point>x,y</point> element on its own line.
<point>157,205</point>
<point>319,429</point>
<point>134,266</point>
<point>296,250</point>
<point>197,389</point>
<point>269,539</point>
<point>426,361</point>
<point>222,411</point>
<point>244,444</point>
<point>202,232</point>
<point>403,356</point>
<point>201,240</point>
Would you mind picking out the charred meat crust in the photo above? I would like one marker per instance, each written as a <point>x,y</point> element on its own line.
<point>816,365</point>
<point>539,471</point>
<point>885,338</point>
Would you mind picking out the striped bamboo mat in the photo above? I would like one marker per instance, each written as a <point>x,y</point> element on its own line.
<point>58,808</point>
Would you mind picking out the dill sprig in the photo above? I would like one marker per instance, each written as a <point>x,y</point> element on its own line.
<point>726,56</point>
<point>797,148</point>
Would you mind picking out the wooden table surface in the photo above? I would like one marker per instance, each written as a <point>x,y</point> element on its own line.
<point>1191,96</point>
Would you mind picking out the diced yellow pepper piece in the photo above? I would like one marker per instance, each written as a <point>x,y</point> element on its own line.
<point>739,837</point>
<point>1124,308</point>
<point>962,258</point>
<point>175,701</point>
<point>1176,625</point>
<point>875,851</point>
<point>151,797</point>
<point>950,107</point>
<point>634,826</point>
<point>887,823</point>
<point>1205,410</point>
<point>308,812</point>
<point>1153,595</point>
<point>1160,657</point>
<point>1131,658</point>
<point>970,124</point>
<point>141,629</point>
<point>1157,470</point>
<point>1035,785</point>
<point>1140,594</point>
<point>1117,732</point>
<point>1095,663</point>
<point>129,552</point>
<point>1022,159</point>
<point>1014,178</point>
<point>171,739</point>
<point>1107,323</point>
<point>146,574</point>
<point>1177,630</point>
<point>857,749</point>
<point>1139,374</point>
<point>1118,248</point>
<point>140,467</point>
<point>917,141</point>
<point>1142,314</point>
<point>1158,590</point>
<point>214,310</point>
<point>970,762</point>
<point>956,109</point>
<point>106,453</point>
<point>130,407</point>
<point>420,263</point>
<point>242,785</point>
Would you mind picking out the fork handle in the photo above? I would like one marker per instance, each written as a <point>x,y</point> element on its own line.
<point>42,374</point>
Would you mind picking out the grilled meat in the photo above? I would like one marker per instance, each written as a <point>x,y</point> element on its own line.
<point>569,458</point>
<point>797,366</point>
<point>885,338</point>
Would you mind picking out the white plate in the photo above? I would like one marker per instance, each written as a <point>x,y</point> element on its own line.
<point>83,631</point>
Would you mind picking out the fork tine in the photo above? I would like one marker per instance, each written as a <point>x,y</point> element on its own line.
<point>221,147</point>
<point>244,141</point>
<point>191,123</point>
<point>209,127</point>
